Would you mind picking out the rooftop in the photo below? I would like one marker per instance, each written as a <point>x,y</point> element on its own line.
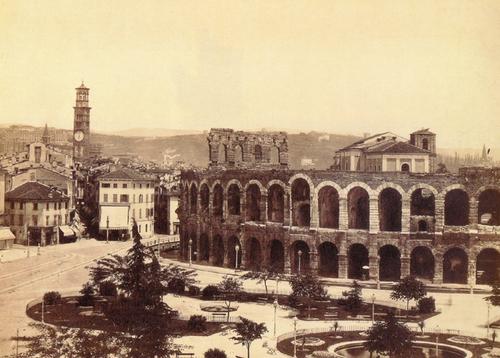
<point>35,191</point>
<point>125,174</point>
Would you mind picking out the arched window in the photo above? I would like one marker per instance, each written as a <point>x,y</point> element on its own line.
<point>141,198</point>
<point>405,167</point>
<point>258,153</point>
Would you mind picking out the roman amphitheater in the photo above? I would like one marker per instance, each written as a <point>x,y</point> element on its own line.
<point>248,210</point>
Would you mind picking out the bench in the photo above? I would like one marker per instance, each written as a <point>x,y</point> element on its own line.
<point>178,355</point>
<point>262,300</point>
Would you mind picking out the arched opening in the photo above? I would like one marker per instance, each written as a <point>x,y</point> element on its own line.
<point>238,154</point>
<point>422,226</point>
<point>233,200</point>
<point>489,207</point>
<point>422,263</point>
<point>300,257</point>
<point>390,263</point>
<point>234,250</point>
<point>204,254</point>
<point>277,256</point>
<point>405,167</point>
<point>487,266</point>
<point>456,208</point>
<point>274,155</point>
<point>254,255</point>
<point>425,144</point>
<point>275,203</point>
<point>222,153</point>
<point>422,203</point>
<point>218,251</point>
<point>389,208</point>
<point>258,153</point>
<point>455,266</point>
<point>204,197</point>
<point>301,203</point>
<point>218,201</point>
<point>357,257</point>
<point>253,203</point>
<point>193,199</point>
<point>328,260</point>
<point>328,203</point>
<point>358,208</point>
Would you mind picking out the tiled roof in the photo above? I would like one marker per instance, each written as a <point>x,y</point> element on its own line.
<point>124,174</point>
<point>34,191</point>
<point>396,147</point>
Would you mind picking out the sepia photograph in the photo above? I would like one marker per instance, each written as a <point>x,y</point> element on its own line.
<point>250,179</point>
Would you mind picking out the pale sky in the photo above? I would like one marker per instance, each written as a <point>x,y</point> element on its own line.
<point>337,66</point>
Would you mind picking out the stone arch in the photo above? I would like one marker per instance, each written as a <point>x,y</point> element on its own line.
<point>487,266</point>
<point>328,259</point>
<point>301,202</point>
<point>233,252</point>
<point>456,207</point>
<point>204,254</point>
<point>204,197</point>
<point>234,199</point>
<point>275,203</point>
<point>423,202</point>
<point>455,266</point>
<point>357,258</point>
<point>193,199</point>
<point>422,263</point>
<point>238,153</point>
<point>328,207</point>
<point>218,200</point>
<point>300,254</point>
<point>274,155</point>
<point>253,198</point>
<point>390,205</point>
<point>254,254</point>
<point>222,153</point>
<point>390,185</point>
<point>262,188</point>
<point>358,208</point>
<point>277,256</point>
<point>423,186</point>
<point>405,168</point>
<point>218,250</point>
<point>389,263</point>
<point>488,209</point>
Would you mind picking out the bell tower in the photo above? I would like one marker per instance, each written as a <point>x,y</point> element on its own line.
<point>81,123</point>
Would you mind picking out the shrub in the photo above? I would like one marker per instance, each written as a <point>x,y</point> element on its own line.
<point>209,292</point>
<point>194,290</point>
<point>87,297</point>
<point>176,285</point>
<point>51,298</point>
<point>215,353</point>
<point>108,288</point>
<point>293,300</point>
<point>197,323</point>
<point>426,305</point>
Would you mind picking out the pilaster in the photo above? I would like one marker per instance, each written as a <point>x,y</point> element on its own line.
<point>473,211</point>
<point>343,215</point>
<point>374,219</point>
<point>439,215</point>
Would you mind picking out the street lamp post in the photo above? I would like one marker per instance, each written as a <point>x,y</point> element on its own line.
<point>488,321</point>
<point>236,250</point>
<point>277,281</point>
<point>275,304</point>
<point>43,310</point>
<point>295,337</point>
<point>107,229</point>
<point>437,341</point>
<point>373,308</point>
<point>300,255</point>
<point>28,237</point>
<point>190,248</point>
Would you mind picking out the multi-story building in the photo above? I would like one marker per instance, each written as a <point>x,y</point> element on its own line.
<point>38,213</point>
<point>388,152</point>
<point>124,196</point>
<point>442,228</point>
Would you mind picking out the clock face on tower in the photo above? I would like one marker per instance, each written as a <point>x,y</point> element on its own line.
<point>79,136</point>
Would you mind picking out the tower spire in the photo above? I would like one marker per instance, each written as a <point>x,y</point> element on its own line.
<point>45,135</point>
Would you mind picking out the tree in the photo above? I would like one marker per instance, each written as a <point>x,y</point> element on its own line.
<point>494,298</point>
<point>263,276</point>
<point>389,337</point>
<point>87,297</point>
<point>442,168</point>
<point>230,287</point>
<point>307,287</point>
<point>409,288</point>
<point>353,298</point>
<point>215,353</point>
<point>248,331</point>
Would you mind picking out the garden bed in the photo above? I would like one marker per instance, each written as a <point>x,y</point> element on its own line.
<point>68,314</point>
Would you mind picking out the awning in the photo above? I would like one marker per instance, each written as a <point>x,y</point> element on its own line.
<point>114,218</point>
<point>6,234</point>
<point>66,230</point>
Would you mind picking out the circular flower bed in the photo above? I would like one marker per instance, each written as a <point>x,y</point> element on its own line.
<point>309,342</point>
<point>466,340</point>
<point>218,308</point>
